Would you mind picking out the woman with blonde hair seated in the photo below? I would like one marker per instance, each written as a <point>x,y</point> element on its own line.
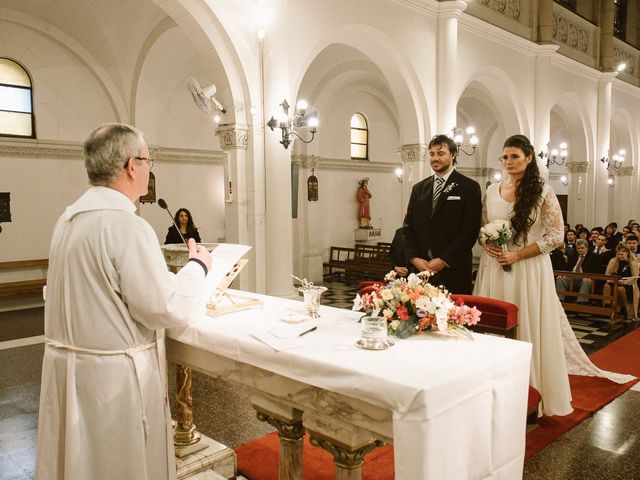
<point>622,266</point>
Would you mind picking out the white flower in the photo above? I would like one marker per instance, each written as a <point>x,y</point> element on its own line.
<point>357,302</point>
<point>423,303</point>
<point>387,313</point>
<point>395,324</point>
<point>387,294</point>
<point>413,280</point>
<point>391,276</point>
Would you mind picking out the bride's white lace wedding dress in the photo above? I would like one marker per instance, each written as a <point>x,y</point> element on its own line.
<point>542,321</point>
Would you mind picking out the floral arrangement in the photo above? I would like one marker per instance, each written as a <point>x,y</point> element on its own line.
<point>413,305</point>
<point>498,232</point>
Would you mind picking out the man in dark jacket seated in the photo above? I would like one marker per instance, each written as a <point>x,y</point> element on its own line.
<point>584,262</point>
<point>399,261</point>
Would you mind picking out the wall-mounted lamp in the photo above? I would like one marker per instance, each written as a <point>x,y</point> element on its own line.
<point>466,140</point>
<point>621,67</point>
<point>564,180</point>
<point>497,176</point>
<point>399,171</point>
<point>554,155</point>
<point>301,120</point>
<point>615,161</point>
<point>611,181</point>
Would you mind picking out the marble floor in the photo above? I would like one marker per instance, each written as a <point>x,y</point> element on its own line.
<point>605,446</point>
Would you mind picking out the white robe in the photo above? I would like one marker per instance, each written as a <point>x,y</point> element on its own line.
<point>104,412</point>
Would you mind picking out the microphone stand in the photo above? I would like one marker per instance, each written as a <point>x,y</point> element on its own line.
<point>162,204</point>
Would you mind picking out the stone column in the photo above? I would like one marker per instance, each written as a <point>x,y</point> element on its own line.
<point>277,159</point>
<point>606,35</point>
<point>577,183</point>
<point>415,167</point>
<point>545,21</point>
<point>542,104</point>
<point>234,141</point>
<point>288,421</point>
<point>447,79</point>
<point>597,189</point>
<point>623,210</point>
<point>309,221</point>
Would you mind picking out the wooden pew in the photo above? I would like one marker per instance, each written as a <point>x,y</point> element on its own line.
<point>22,288</point>
<point>599,305</point>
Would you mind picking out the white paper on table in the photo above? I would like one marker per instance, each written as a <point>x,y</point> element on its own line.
<point>288,338</point>
<point>223,259</point>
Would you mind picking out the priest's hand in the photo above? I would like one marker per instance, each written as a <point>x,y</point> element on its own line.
<point>200,253</point>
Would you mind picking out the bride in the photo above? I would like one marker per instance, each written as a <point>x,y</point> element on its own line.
<point>536,219</point>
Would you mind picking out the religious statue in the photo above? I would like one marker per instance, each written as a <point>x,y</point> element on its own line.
<point>364,213</point>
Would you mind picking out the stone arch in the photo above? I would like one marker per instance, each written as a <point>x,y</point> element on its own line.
<point>623,135</point>
<point>581,141</point>
<point>408,96</point>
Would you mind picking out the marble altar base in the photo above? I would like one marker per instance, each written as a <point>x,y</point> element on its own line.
<point>215,457</point>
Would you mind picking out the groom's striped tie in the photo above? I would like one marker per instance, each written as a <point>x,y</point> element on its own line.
<point>437,190</point>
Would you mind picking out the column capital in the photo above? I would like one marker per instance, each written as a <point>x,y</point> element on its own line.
<point>451,8</point>
<point>413,153</point>
<point>306,161</point>
<point>622,172</point>
<point>578,167</point>
<point>233,136</point>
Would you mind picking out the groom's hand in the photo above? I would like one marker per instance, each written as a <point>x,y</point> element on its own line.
<point>420,263</point>
<point>436,264</point>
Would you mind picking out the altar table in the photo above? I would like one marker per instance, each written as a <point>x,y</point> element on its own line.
<point>453,408</point>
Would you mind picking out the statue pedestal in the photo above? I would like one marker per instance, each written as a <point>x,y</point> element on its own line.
<point>215,461</point>
<point>367,234</point>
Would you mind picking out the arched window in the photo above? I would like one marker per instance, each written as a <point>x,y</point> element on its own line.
<point>359,137</point>
<point>16,102</point>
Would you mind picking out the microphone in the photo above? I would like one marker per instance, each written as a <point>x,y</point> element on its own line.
<point>162,204</point>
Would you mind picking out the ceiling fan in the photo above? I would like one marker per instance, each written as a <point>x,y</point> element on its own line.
<point>204,98</point>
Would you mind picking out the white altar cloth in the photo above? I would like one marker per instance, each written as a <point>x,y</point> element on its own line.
<point>459,406</point>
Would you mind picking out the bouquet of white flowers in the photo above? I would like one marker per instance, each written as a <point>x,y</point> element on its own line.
<point>498,232</point>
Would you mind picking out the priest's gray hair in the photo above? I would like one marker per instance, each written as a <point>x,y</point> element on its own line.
<point>107,150</point>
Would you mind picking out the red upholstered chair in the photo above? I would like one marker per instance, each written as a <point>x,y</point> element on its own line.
<point>500,318</point>
<point>367,286</point>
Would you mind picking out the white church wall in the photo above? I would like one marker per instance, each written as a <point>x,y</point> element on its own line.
<point>68,100</point>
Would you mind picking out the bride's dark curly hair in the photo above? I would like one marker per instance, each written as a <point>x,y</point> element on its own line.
<point>528,190</point>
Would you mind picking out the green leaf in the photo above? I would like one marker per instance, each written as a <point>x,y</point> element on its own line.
<point>406,329</point>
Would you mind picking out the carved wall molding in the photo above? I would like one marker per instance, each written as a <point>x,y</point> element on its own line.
<point>570,33</point>
<point>18,148</point>
<point>578,167</point>
<point>508,8</point>
<point>622,56</point>
<point>233,136</point>
<point>338,164</point>
<point>413,153</point>
<point>622,172</point>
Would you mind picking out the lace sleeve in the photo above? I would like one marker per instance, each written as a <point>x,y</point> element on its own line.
<point>551,216</point>
<point>485,218</point>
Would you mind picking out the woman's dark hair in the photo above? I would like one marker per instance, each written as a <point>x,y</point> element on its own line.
<point>528,190</point>
<point>190,226</point>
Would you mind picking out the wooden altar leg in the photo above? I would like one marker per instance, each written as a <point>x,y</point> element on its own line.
<point>186,433</point>
<point>291,433</point>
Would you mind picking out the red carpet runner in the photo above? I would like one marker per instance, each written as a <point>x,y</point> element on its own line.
<point>258,460</point>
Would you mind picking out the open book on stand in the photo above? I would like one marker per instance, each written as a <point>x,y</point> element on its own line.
<point>226,263</point>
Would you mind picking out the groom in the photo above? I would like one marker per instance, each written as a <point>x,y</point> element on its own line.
<point>443,220</point>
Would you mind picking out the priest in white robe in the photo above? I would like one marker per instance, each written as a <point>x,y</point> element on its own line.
<point>104,412</point>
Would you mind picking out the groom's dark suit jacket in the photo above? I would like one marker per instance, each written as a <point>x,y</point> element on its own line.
<point>448,231</point>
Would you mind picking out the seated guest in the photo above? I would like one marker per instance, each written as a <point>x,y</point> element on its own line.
<point>585,262</point>
<point>603,253</point>
<point>584,233</point>
<point>399,260</point>
<point>632,244</point>
<point>184,220</point>
<point>627,288</point>
<point>595,231</point>
<point>613,236</point>
<point>570,245</point>
<point>558,258</point>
